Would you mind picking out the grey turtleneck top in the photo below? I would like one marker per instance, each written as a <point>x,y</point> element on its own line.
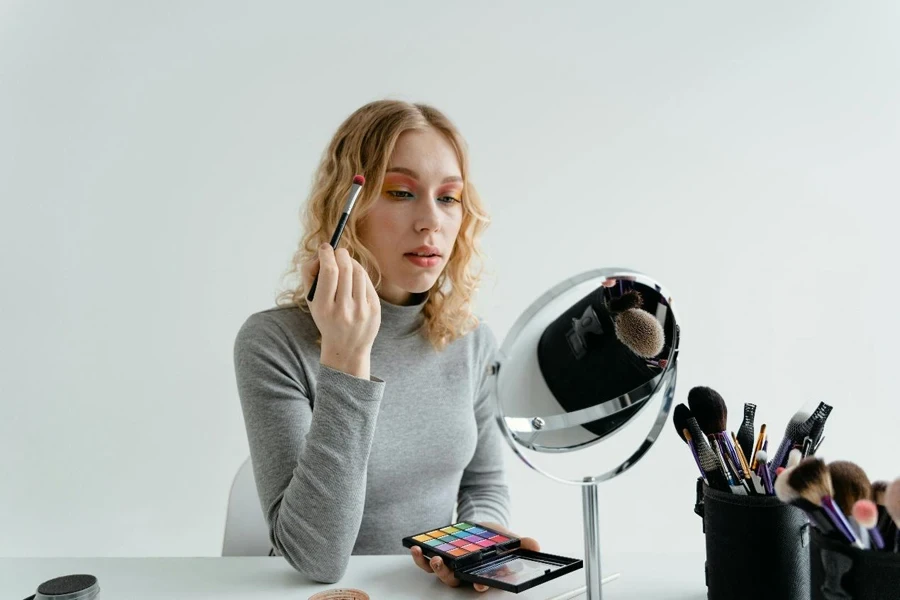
<point>345,465</point>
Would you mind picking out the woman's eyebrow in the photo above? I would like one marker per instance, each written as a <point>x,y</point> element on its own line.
<point>414,175</point>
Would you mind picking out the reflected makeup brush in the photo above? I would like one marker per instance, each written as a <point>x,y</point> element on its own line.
<point>745,432</point>
<point>679,417</point>
<point>812,481</point>
<point>865,512</point>
<point>358,181</point>
<point>711,412</point>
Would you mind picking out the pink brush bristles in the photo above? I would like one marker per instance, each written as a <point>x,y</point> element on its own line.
<point>866,513</point>
<point>359,179</point>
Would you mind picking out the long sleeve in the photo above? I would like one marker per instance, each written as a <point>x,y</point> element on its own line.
<point>483,493</point>
<point>309,453</point>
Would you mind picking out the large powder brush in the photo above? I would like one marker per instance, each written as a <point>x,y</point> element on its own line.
<point>635,327</point>
<point>811,480</point>
<point>850,484</point>
<point>709,408</point>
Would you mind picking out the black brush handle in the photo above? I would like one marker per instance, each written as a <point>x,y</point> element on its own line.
<point>335,240</point>
<point>746,432</point>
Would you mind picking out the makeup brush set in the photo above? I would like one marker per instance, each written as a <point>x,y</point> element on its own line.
<point>820,530</point>
<point>740,463</point>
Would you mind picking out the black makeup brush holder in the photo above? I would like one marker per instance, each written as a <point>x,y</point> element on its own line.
<point>756,546</point>
<point>840,571</point>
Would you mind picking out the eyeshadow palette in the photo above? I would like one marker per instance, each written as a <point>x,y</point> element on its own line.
<point>461,544</point>
<point>481,555</point>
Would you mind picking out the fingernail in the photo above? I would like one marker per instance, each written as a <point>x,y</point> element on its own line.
<point>323,245</point>
<point>436,564</point>
<point>480,587</point>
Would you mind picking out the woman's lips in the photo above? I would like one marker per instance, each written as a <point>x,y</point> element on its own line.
<point>423,261</point>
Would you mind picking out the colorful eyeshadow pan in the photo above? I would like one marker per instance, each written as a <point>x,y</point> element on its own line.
<point>422,538</point>
<point>462,525</point>
<point>445,547</point>
<point>471,547</point>
<point>449,529</point>
<point>435,533</point>
<point>458,543</point>
<point>485,543</point>
<point>473,538</point>
<point>447,539</point>
<point>499,539</point>
<point>457,552</point>
<point>477,530</point>
<point>433,543</point>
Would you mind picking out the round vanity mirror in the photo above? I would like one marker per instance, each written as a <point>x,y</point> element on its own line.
<point>590,356</point>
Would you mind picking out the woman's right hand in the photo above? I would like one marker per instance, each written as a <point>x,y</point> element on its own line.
<point>345,308</point>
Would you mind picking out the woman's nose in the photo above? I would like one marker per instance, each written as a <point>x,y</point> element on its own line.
<point>428,216</point>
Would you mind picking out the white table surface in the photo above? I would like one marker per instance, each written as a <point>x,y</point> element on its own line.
<point>643,576</point>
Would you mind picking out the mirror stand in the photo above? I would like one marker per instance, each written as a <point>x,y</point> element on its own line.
<point>591,506</point>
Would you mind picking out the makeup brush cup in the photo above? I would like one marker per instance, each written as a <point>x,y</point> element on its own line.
<point>756,546</point>
<point>841,572</point>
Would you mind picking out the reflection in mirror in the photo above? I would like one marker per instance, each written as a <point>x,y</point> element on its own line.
<point>597,360</point>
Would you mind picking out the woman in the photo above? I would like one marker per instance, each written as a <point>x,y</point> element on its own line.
<point>367,410</point>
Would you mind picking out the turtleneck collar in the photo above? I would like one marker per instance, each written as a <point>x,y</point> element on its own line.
<point>402,320</point>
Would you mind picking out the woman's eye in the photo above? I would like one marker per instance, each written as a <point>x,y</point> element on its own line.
<point>399,194</point>
<point>448,199</point>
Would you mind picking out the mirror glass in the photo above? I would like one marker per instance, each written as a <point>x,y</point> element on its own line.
<point>585,359</point>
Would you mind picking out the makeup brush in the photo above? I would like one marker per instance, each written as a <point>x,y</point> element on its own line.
<point>886,525</point>
<point>892,504</point>
<point>850,484</point>
<point>709,464</point>
<point>865,512</point>
<point>679,417</point>
<point>745,432</point>
<point>811,441</point>
<point>711,412</point>
<point>879,488</point>
<point>759,446</point>
<point>797,428</point>
<point>812,481</point>
<point>794,458</point>
<point>762,458</point>
<point>358,181</point>
<point>788,495</point>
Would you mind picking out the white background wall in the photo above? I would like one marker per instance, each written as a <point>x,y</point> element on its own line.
<point>154,157</point>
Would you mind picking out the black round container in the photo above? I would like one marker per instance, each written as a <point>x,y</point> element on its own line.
<point>843,572</point>
<point>756,547</point>
<point>68,587</point>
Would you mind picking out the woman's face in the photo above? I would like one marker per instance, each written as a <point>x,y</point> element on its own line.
<point>413,223</point>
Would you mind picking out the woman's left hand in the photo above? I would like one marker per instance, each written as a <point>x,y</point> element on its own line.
<point>437,566</point>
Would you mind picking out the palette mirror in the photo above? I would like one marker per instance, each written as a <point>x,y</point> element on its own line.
<point>580,366</point>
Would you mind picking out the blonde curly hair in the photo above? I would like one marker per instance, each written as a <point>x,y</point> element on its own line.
<point>363,144</point>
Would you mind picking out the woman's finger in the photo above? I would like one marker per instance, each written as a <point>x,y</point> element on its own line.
<point>444,574</point>
<point>344,294</point>
<point>308,272</point>
<point>328,274</point>
<point>359,284</point>
<point>420,559</point>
